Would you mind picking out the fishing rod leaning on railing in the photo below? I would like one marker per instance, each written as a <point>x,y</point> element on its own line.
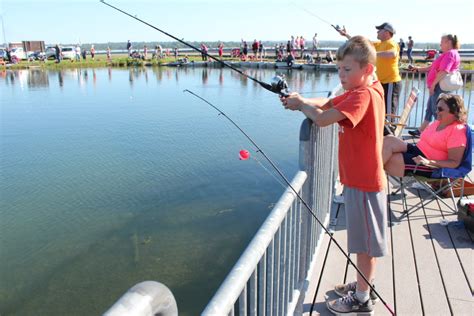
<point>306,205</point>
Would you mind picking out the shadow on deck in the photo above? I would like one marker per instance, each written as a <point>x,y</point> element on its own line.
<point>429,270</point>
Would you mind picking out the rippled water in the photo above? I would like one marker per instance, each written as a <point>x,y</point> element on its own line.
<point>112,177</point>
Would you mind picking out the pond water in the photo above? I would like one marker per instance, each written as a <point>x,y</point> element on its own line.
<point>110,177</point>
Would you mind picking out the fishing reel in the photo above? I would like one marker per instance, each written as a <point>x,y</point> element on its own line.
<point>279,85</point>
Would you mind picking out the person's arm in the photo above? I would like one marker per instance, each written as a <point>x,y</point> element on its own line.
<point>319,110</point>
<point>454,159</point>
<point>390,52</point>
<point>387,54</point>
<point>344,33</point>
<point>421,69</point>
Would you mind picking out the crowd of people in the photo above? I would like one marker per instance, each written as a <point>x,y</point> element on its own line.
<point>369,74</point>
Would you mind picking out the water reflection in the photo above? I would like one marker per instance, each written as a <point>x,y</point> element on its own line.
<point>309,82</point>
<point>60,78</point>
<point>38,78</point>
<point>42,79</point>
<point>205,76</point>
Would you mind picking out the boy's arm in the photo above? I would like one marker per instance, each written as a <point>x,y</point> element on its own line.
<point>319,110</point>
<point>322,117</point>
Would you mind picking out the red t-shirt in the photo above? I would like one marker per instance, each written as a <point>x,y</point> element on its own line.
<point>361,137</point>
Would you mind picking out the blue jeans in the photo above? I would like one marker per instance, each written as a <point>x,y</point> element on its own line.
<point>410,58</point>
<point>431,104</point>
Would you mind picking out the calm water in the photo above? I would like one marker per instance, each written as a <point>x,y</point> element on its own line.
<point>112,177</point>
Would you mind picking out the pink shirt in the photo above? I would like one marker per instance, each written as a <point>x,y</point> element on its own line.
<point>435,144</point>
<point>448,61</point>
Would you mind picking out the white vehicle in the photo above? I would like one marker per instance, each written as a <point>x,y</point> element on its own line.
<point>50,52</point>
<point>18,52</point>
<point>68,52</point>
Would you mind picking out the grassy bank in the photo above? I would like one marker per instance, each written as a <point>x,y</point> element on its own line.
<point>100,61</point>
<point>124,61</point>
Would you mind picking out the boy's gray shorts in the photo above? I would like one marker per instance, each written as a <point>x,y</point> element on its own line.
<point>366,221</point>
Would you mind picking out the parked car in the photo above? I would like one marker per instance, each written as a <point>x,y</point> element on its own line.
<point>37,55</point>
<point>50,52</point>
<point>68,52</point>
<point>19,53</point>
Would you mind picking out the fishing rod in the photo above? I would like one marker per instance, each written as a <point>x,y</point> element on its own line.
<point>287,182</point>
<point>336,27</point>
<point>278,84</point>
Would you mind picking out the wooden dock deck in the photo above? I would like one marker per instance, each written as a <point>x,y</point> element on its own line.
<point>429,270</point>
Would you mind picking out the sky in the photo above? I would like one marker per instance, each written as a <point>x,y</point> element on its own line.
<point>89,21</point>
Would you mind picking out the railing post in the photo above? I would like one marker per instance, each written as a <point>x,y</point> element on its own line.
<point>318,154</point>
<point>147,298</point>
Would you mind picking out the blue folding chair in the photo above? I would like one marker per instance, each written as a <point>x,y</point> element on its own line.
<point>448,178</point>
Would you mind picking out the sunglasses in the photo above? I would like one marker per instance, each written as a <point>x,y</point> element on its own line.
<point>439,109</point>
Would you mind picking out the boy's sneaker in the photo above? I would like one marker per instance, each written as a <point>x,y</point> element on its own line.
<point>344,289</point>
<point>350,305</point>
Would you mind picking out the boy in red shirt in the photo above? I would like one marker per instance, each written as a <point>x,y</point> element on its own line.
<point>360,113</point>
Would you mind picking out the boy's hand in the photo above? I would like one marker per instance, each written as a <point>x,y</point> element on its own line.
<point>292,102</point>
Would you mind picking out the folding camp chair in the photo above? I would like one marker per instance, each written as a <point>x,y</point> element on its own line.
<point>396,123</point>
<point>447,178</point>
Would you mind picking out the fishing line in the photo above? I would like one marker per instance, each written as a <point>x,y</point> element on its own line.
<point>337,28</point>
<point>278,84</point>
<point>253,157</point>
<point>287,182</point>
<point>270,172</point>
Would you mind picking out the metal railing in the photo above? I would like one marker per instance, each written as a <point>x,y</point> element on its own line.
<point>272,273</point>
<point>418,80</point>
<point>271,276</point>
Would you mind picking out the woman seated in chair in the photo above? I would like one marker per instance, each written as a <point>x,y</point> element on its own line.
<point>441,144</point>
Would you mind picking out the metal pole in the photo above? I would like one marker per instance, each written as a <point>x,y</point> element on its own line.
<point>3,29</point>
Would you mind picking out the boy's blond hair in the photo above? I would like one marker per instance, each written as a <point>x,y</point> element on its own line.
<point>360,48</point>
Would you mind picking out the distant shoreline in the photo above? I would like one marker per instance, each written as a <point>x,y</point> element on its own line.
<point>235,44</point>
<point>121,60</point>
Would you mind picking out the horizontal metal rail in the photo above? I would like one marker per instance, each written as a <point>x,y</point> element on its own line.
<point>232,287</point>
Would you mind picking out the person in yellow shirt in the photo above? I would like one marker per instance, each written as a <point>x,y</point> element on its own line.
<point>387,70</point>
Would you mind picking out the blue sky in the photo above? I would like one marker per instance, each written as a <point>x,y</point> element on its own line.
<point>86,21</point>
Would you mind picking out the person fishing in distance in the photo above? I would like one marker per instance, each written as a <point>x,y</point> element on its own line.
<point>357,111</point>
<point>387,64</point>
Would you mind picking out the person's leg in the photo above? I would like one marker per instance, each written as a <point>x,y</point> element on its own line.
<point>387,95</point>
<point>392,145</point>
<point>428,114</point>
<point>366,221</point>
<point>395,166</point>
<point>397,87</point>
<point>431,108</point>
<point>366,265</point>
